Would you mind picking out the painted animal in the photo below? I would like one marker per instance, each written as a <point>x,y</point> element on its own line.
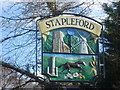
<point>69,65</point>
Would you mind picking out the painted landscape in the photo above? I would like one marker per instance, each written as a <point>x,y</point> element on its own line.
<point>70,40</point>
<point>75,74</point>
<point>69,55</point>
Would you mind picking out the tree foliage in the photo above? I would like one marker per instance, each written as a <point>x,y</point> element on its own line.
<point>112,43</point>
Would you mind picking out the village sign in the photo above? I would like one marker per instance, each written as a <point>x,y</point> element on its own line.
<point>70,48</point>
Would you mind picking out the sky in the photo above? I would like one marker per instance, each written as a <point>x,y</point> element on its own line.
<point>97,11</point>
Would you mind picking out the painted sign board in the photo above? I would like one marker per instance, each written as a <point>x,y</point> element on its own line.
<point>70,48</point>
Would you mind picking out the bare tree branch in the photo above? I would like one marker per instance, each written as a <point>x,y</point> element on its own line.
<point>32,17</point>
<point>13,36</point>
<point>71,7</point>
<point>85,9</point>
<point>23,84</point>
<point>40,80</point>
<point>22,16</point>
<point>55,10</point>
<point>37,79</point>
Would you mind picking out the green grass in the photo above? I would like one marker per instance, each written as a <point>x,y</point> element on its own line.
<point>59,61</point>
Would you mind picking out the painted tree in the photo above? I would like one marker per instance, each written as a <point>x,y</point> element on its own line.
<point>18,25</point>
<point>112,43</point>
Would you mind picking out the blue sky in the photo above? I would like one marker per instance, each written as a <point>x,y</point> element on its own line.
<point>97,12</point>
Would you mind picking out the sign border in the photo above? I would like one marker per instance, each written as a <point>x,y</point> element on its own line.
<point>98,69</point>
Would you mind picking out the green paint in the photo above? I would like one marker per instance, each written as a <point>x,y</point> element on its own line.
<point>74,43</point>
<point>62,76</point>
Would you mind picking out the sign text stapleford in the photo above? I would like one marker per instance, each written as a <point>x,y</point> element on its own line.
<point>70,48</point>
